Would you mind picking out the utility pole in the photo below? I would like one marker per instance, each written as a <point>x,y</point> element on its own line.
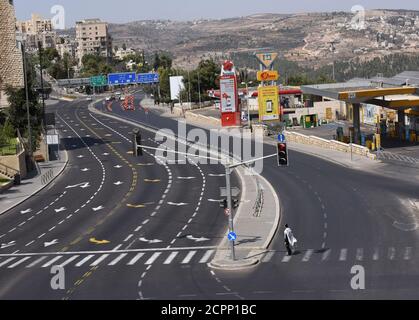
<point>25,71</point>
<point>190,96</point>
<point>199,89</point>
<point>42,82</point>
<point>230,208</point>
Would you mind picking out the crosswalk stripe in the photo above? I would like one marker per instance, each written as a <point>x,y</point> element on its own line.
<point>326,255</point>
<point>33,264</point>
<point>68,261</point>
<point>343,254</point>
<point>286,258</point>
<point>135,259</point>
<point>171,257</point>
<point>117,259</point>
<point>268,256</point>
<point>51,261</point>
<point>206,256</point>
<point>7,261</point>
<point>19,262</point>
<point>391,253</point>
<point>153,258</point>
<point>83,261</point>
<point>407,253</point>
<point>359,254</point>
<point>99,260</point>
<point>188,257</point>
<point>376,254</point>
<point>308,255</point>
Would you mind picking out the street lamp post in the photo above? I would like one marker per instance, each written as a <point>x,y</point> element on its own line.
<point>42,82</point>
<point>199,89</point>
<point>25,71</point>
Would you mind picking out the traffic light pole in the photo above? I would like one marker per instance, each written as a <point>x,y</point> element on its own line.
<point>230,208</point>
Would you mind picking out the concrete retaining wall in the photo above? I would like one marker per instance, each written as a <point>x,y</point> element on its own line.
<point>197,117</point>
<point>329,144</point>
<point>16,162</point>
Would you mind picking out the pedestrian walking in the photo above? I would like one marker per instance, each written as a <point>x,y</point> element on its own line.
<point>290,240</point>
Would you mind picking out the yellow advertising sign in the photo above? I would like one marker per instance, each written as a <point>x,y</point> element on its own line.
<point>268,75</point>
<point>266,58</point>
<point>268,103</point>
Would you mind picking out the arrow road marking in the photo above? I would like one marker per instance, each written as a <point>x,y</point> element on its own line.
<point>26,211</point>
<point>215,200</point>
<point>177,204</point>
<point>202,239</point>
<point>7,245</point>
<point>80,157</point>
<point>93,240</point>
<point>85,170</point>
<point>118,183</point>
<point>150,241</point>
<point>118,167</point>
<point>98,208</point>
<point>186,178</point>
<point>48,244</point>
<point>60,209</point>
<point>106,154</point>
<point>81,185</point>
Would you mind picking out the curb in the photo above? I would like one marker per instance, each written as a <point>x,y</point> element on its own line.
<point>43,187</point>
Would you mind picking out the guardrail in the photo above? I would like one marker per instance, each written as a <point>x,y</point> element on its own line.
<point>259,200</point>
<point>47,177</point>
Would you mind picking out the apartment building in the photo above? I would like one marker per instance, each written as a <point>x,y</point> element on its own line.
<point>37,29</point>
<point>11,65</point>
<point>92,37</point>
<point>66,45</point>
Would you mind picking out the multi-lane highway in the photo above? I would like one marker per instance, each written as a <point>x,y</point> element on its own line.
<point>133,228</point>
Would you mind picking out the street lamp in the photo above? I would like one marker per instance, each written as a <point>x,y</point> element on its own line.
<point>247,102</point>
<point>199,90</point>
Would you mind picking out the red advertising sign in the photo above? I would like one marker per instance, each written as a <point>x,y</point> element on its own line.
<point>229,95</point>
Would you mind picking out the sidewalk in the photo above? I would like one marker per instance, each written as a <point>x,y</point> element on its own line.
<point>254,233</point>
<point>36,181</point>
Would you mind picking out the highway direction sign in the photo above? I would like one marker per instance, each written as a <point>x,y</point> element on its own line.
<point>98,81</point>
<point>122,78</point>
<point>145,78</point>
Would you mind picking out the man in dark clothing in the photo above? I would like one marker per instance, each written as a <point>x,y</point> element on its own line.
<point>287,240</point>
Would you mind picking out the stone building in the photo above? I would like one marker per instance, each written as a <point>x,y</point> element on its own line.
<point>11,65</point>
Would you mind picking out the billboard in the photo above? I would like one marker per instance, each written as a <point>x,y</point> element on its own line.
<point>145,78</point>
<point>268,103</point>
<point>122,78</point>
<point>176,86</point>
<point>267,75</point>
<point>229,95</point>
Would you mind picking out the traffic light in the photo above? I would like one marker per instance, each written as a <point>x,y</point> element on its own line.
<point>225,204</point>
<point>136,143</point>
<point>282,154</point>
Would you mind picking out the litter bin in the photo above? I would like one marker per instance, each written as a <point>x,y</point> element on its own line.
<point>17,179</point>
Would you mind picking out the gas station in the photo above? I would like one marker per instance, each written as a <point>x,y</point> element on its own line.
<point>394,99</point>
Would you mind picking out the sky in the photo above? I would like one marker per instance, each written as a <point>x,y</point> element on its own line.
<point>121,11</point>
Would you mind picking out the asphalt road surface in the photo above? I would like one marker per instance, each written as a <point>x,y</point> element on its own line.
<point>340,217</point>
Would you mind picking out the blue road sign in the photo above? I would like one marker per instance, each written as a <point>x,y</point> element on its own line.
<point>122,78</point>
<point>281,137</point>
<point>147,78</point>
<point>232,236</point>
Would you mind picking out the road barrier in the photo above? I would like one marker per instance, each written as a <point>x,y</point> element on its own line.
<point>259,200</point>
<point>47,177</point>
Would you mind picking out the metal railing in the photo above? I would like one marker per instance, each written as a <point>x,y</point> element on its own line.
<point>8,171</point>
<point>47,177</point>
<point>258,206</point>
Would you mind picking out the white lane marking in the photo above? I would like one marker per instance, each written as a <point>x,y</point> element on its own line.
<point>171,257</point>
<point>51,261</point>
<point>153,258</point>
<point>129,237</point>
<point>68,261</point>
<point>407,253</point>
<point>99,260</point>
<point>116,260</point>
<point>376,254</point>
<point>359,254</point>
<point>326,255</point>
<point>84,260</point>
<point>268,256</point>
<point>28,244</point>
<point>308,255</point>
<point>7,261</point>
<point>18,263</point>
<point>343,254</point>
<point>117,247</point>
<point>36,262</point>
<point>391,253</point>
<point>286,258</point>
<point>206,256</point>
<point>135,259</point>
<point>188,257</point>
